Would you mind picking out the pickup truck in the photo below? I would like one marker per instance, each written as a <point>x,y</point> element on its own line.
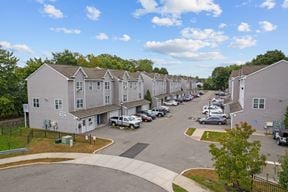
<point>125,121</point>
<point>281,136</point>
<point>159,112</point>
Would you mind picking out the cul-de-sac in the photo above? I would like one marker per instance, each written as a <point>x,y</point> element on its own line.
<point>143,96</point>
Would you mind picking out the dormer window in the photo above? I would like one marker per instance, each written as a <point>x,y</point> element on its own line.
<point>107,85</point>
<point>79,86</point>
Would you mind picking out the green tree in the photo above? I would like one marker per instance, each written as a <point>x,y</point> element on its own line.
<point>283,174</point>
<point>163,71</point>
<point>237,159</point>
<point>286,119</point>
<point>147,96</point>
<point>220,76</point>
<point>65,58</point>
<point>156,70</point>
<point>208,84</point>
<point>9,85</point>
<point>144,65</point>
<point>268,58</point>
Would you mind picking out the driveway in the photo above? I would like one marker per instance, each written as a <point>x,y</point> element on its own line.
<point>163,142</point>
<point>71,178</point>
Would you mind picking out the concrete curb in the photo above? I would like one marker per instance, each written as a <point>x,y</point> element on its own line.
<point>28,164</point>
<point>104,147</point>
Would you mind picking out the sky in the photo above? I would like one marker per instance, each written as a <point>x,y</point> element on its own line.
<point>188,37</point>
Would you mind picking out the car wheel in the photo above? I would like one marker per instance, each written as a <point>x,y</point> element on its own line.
<point>158,115</point>
<point>113,124</point>
<point>132,126</point>
<point>203,122</point>
<point>278,141</point>
<point>219,123</point>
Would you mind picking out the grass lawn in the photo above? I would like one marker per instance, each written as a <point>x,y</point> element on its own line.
<point>214,136</point>
<point>44,160</point>
<point>190,131</point>
<point>45,142</point>
<point>177,188</point>
<point>209,179</point>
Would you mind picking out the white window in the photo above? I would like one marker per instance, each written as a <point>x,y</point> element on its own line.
<point>79,86</point>
<point>58,104</point>
<point>140,96</point>
<point>124,98</point>
<point>107,85</point>
<point>258,103</point>
<point>79,103</point>
<point>98,85</point>
<point>107,99</point>
<point>124,85</point>
<point>36,103</point>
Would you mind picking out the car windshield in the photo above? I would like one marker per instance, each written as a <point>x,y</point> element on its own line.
<point>131,118</point>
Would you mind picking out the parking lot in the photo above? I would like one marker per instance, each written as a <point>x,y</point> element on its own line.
<point>165,143</point>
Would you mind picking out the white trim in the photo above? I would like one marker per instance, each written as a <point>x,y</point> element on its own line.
<point>38,102</point>
<point>269,66</point>
<point>82,103</point>
<point>80,68</point>
<point>41,68</point>
<point>58,104</point>
<point>258,102</point>
<point>109,72</point>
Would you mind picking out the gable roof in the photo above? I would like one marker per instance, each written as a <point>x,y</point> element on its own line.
<point>119,73</point>
<point>246,70</point>
<point>134,75</point>
<point>69,71</point>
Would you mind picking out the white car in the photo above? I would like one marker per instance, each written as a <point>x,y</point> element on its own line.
<point>136,118</point>
<point>206,108</point>
<point>217,114</point>
<point>165,108</point>
<point>171,103</point>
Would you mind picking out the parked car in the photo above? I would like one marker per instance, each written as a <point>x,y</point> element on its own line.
<point>148,113</point>
<point>213,120</point>
<point>179,100</point>
<point>187,98</point>
<point>207,108</point>
<point>160,112</point>
<point>171,103</point>
<point>200,93</point>
<point>126,121</point>
<point>220,93</point>
<point>136,117</point>
<point>144,117</point>
<point>281,136</point>
<point>218,103</point>
<point>165,108</point>
<point>214,113</point>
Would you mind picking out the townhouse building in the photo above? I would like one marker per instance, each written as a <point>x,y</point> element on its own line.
<point>259,94</point>
<point>77,99</point>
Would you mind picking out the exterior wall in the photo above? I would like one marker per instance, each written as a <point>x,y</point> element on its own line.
<point>71,96</point>
<point>242,90</point>
<point>117,86</point>
<point>108,92</point>
<point>79,94</point>
<point>147,84</point>
<point>94,96</point>
<point>274,92</point>
<point>235,89</point>
<point>57,88</point>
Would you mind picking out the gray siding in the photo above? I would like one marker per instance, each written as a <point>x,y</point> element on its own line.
<point>270,84</point>
<point>94,96</point>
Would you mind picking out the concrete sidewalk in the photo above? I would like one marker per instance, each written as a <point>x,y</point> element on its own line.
<point>150,172</point>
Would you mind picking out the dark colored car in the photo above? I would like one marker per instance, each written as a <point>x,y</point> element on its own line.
<point>213,120</point>
<point>144,117</point>
<point>200,93</point>
<point>146,112</point>
<point>179,100</point>
<point>220,93</point>
<point>281,136</point>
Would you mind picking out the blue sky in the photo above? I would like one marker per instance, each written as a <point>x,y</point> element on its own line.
<point>189,37</point>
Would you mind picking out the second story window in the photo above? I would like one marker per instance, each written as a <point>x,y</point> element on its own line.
<point>107,85</point>
<point>140,96</point>
<point>125,85</point>
<point>36,103</point>
<point>79,103</point>
<point>124,98</point>
<point>258,103</point>
<point>98,85</point>
<point>107,99</point>
<point>58,104</point>
<point>79,86</point>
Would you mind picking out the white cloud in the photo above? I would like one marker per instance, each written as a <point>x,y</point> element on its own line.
<point>243,42</point>
<point>208,35</point>
<point>166,21</point>
<point>244,27</point>
<point>52,11</point>
<point>92,13</point>
<point>16,47</point>
<point>125,37</point>
<point>176,7</point>
<point>102,36</point>
<point>285,4</point>
<point>268,4</point>
<point>65,30</point>
<point>267,26</point>
<point>222,25</point>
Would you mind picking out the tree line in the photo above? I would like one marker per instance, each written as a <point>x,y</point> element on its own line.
<point>220,75</point>
<point>13,88</point>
